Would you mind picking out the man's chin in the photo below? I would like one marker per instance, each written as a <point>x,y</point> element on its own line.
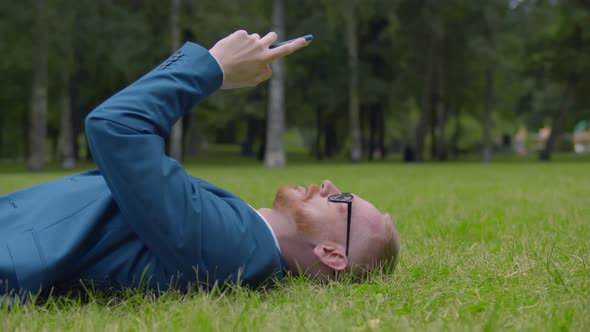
<point>287,196</point>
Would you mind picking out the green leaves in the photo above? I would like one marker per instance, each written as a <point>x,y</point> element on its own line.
<point>534,47</point>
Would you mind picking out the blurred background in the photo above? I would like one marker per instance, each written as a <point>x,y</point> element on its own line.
<point>383,80</point>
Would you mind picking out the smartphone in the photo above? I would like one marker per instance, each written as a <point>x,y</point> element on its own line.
<point>308,38</point>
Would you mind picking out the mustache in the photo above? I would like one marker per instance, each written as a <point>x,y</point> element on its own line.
<point>283,198</point>
<point>311,191</point>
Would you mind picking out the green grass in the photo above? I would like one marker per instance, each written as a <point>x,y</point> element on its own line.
<point>484,247</point>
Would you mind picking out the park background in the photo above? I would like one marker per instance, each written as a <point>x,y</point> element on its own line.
<point>393,80</point>
<point>398,101</point>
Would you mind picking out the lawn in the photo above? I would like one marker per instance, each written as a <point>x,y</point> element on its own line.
<point>484,247</point>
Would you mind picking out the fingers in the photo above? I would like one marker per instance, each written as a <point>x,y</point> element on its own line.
<point>239,33</point>
<point>286,49</point>
<point>281,51</point>
<point>269,39</point>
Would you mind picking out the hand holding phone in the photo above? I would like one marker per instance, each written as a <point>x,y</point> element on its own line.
<point>245,63</point>
<point>308,38</point>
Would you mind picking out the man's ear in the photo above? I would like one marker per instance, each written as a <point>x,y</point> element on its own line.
<point>334,258</point>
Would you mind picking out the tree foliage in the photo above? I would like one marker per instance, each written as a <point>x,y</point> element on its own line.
<point>440,76</point>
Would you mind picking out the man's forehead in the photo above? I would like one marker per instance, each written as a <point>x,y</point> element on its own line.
<point>364,208</point>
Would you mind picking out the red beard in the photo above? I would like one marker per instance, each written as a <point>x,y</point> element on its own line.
<point>288,201</point>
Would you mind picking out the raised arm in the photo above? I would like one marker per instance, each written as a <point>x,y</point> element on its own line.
<point>126,136</point>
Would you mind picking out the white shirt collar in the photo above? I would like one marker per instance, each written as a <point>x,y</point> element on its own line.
<point>269,228</point>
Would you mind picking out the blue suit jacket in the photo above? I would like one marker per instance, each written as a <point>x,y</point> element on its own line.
<point>139,220</point>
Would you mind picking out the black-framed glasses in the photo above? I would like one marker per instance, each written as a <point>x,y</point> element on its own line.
<point>347,199</point>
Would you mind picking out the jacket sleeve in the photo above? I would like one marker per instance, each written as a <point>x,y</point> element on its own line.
<point>126,137</point>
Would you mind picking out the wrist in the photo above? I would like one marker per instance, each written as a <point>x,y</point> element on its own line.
<point>220,68</point>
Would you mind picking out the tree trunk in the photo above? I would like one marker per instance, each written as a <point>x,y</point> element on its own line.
<point>381,137</point>
<point>2,131</point>
<point>376,146</point>
<point>425,110</point>
<point>37,130</point>
<point>441,149</point>
<point>247,145</point>
<point>261,151</point>
<point>456,132</point>
<point>558,119</point>
<point>24,125</point>
<point>54,141</point>
<point>318,138</point>
<point>176,133</point>
<point>191,135</point>
<point>78,111</point>
<point>372,131</point>
<point>486,152</point>
<point>354,108</point>
<point>433,124</point>
<point>66,128</point>
<point>275,151</point>
<point>331,140</point>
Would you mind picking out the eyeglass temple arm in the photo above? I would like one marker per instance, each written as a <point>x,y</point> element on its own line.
<point>348,227</point>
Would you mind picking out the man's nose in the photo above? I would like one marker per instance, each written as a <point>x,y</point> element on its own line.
<point>328,188</point>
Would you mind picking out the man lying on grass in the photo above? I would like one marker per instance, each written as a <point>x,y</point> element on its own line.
<point>141,221</point>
